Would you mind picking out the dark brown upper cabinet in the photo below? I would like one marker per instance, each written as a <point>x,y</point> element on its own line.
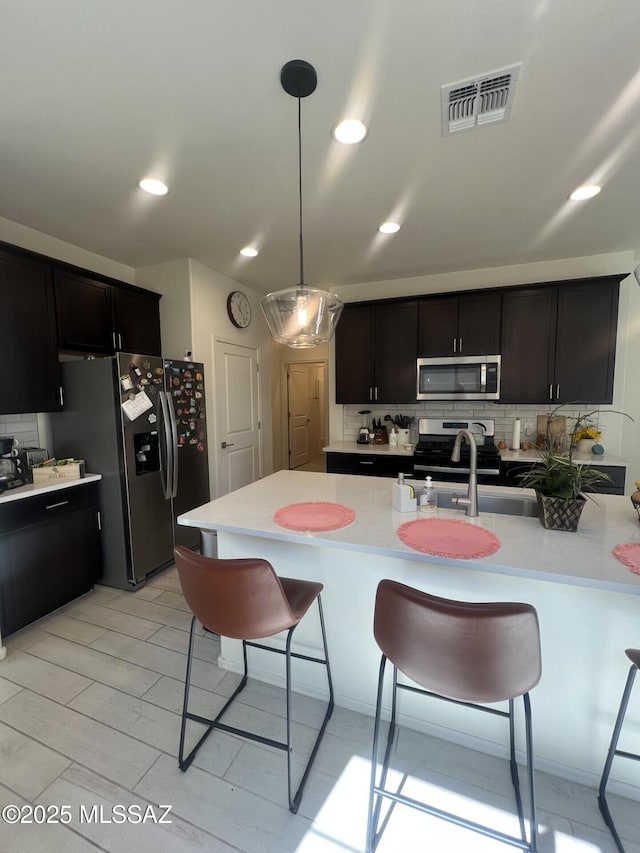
<point>464,324</point>
<point>31,373</point>
<point>83,313</point>
<point>376,352</point>
<point>136,320</point>
<point>559,341</point>
<point>95,316</point>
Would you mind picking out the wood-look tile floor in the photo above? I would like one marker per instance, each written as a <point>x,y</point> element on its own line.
<point>90,702</point>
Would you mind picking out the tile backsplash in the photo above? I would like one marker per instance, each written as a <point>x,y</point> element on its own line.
<point>503,415</point>
<point>24,429</point>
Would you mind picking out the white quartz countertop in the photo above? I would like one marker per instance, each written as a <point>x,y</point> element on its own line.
<point>29,491</point>
<point>579,458</point>
<point>583,558</point>
<point>376,449</point>
<point>505,455</point>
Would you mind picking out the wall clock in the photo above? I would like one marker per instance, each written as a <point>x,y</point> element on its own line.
<point>239,309</point>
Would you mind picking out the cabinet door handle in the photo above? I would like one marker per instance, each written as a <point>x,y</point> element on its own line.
<point>455,342</point>
<point>375,396</point>
<point>364,462</point>
<point>460,347</point>
<point>557,392</point>
<point>119,341</point>
<point>551,392</point>
<point>61,395</point>
<point>370,393</point>
<point>114,340</point>
<point>60,503</point>
<point>99,520</point>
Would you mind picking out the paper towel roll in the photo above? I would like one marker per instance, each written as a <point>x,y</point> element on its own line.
<point>515,437</point>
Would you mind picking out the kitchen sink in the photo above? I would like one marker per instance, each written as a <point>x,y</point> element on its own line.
<point>524,505</point>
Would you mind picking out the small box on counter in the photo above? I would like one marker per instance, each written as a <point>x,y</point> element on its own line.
<point>54,470</point>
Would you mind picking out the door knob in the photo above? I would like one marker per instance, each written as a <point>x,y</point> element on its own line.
<point>226,444</point>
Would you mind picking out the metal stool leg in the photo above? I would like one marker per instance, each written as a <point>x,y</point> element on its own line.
<point>185,762</point>
<point>378,791</point>
<point>613,751</point>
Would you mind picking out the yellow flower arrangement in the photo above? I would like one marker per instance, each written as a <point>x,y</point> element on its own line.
<point>587,432</point>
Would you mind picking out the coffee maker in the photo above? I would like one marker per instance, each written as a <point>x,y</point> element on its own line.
<point>16,463</point>
<point>10,466</point>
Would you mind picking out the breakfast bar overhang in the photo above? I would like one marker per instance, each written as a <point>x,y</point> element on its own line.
<point>588,604</point>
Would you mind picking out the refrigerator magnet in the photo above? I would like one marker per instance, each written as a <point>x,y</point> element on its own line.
<point>126,383</point>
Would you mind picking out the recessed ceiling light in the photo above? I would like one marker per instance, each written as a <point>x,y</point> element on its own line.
<point>389,228</point>
<point>249,252</point>
<point>153,186</point>
<point>585,192</point>
<point>350,131</point>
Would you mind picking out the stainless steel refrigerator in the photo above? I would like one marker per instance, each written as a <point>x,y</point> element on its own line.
<point>140,421</point>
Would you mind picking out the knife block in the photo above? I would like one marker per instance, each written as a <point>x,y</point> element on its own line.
<point>380,435</point>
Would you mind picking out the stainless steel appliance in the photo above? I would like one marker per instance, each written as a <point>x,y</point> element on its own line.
<point>141,423</point>
<point>436,437</point>
<point>466,377</point>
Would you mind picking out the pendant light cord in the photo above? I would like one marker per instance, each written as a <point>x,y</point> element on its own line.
<point>300,188</point>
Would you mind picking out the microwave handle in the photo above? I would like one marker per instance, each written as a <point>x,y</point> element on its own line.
<point>483,377</point>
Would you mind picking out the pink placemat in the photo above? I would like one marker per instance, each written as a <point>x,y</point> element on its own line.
<point>444,537</point>
<point>314,515</point>
<point>629,554</point>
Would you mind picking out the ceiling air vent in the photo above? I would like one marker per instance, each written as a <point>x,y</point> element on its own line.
<point>483,100</point>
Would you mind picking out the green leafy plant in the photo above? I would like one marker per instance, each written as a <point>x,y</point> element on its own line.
<point>556,474</point>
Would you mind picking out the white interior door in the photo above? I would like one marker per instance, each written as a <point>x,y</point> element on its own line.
<point>237,416</point>
<point>299,381</point>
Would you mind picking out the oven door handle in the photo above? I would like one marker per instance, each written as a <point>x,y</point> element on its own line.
<point>490,472</point>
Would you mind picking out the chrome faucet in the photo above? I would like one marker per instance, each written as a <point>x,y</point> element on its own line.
<point>471,500</point>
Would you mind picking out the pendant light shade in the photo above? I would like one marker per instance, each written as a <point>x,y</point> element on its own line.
<point>301,317</point>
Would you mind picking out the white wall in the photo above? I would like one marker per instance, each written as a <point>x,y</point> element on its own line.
<point>27,238</point>
<point>193,315</point>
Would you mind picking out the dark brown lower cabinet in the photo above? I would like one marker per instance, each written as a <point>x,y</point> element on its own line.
<point>49,553</point>
<point>509,472</point>
<point>372,465</point>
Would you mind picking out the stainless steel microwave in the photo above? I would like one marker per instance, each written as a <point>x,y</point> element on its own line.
<point>469,377</point>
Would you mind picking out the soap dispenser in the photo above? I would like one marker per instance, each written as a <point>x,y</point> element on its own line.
<point>428,497</point>
<point>403,496</point>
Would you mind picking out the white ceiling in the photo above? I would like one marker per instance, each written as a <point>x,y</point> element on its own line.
<point>97,94</point>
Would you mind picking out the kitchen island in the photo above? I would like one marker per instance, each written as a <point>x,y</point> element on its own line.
<point>588,604</point>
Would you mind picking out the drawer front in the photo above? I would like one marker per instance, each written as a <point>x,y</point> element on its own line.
<point>374,465</point>
<point>45,507</point>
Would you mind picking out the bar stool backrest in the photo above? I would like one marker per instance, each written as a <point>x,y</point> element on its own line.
<point>242,599</point>
<point>473,652</point>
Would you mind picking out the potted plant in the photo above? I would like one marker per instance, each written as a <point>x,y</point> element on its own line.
<point>561,484</point>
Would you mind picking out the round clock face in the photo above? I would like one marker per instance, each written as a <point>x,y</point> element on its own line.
<point>239,309</point>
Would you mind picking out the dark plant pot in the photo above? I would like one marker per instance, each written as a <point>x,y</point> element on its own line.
<point>560,513</point>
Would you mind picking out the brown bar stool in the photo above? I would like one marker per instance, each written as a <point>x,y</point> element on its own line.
<point>245,599</point>
<point>634,657</point>
<point>461,652</point>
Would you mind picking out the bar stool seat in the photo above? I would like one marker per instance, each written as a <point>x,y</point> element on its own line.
<point>461,652</point>
<point>244,599</point>
<point>634,657</point>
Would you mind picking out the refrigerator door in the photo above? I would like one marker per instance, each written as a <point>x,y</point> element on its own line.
<point>146,460</point>
<point>124,445</point>
<point>190,481</point>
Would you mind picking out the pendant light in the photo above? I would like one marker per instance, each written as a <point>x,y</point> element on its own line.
<point>301,317</point>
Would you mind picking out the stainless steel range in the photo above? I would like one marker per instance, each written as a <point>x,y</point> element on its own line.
<point>432,454</point>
